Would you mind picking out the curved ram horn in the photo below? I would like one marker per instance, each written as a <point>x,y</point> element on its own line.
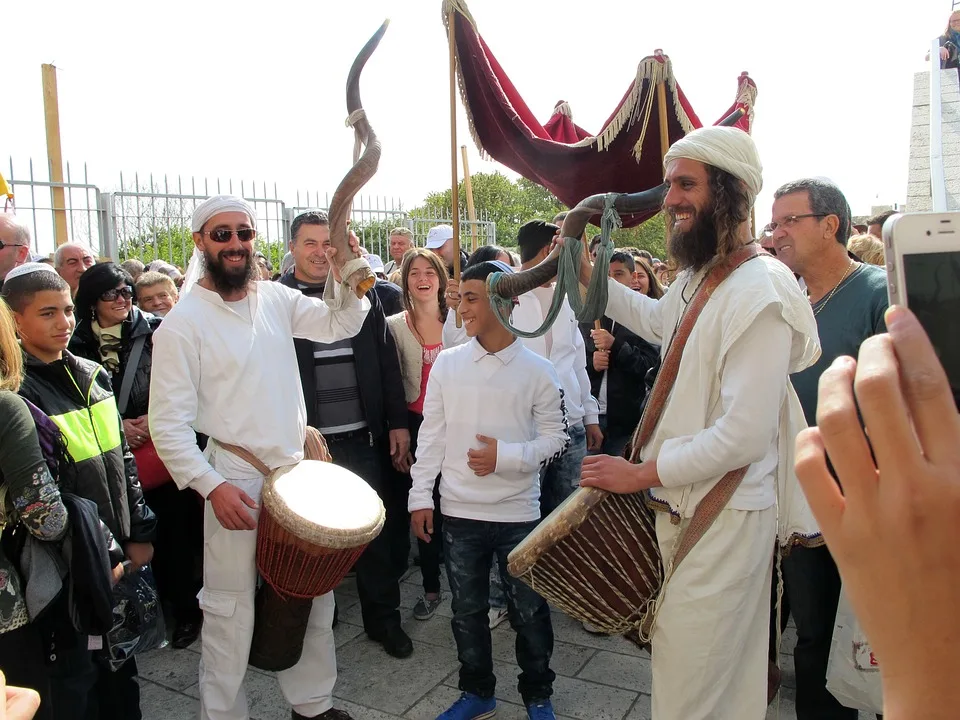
<point>573,226</point>
<point>365,168</point>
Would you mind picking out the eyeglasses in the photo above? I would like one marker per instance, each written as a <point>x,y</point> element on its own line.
<point>222,235</point>
<point>6,245</point>
<point>789,221</point>
<point>126,292</point>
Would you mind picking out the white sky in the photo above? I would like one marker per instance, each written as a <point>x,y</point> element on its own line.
<point>255,91</point>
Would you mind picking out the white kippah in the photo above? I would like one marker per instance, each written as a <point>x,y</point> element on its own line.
<point>727,148</point>
<point>27,268</point>
<point>219,204</point>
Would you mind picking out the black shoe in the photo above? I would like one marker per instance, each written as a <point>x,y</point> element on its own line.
<point>331,714</point>
<point>394,640</point>
<point>185,634</point>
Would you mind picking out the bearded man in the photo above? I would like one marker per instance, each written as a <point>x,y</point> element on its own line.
<point>729,405</point>
<point>225,366</point>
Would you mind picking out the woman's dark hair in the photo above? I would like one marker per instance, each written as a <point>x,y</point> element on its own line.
<point>488,253</point>
<point>654,288</point>
<point>95,282</point>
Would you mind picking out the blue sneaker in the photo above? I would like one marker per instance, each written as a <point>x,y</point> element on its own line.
<point>540,710</point>
<point>472,707</point>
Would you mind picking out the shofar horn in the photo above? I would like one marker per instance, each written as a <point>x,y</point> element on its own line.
<point>362,279</point>
<point>573,226</point>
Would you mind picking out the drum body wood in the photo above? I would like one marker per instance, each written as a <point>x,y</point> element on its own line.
<point>595,558</point>
<point>316,520</point>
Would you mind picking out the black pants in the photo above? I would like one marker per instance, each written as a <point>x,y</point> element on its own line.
<point>178,550</point>
<point>378,580</point>
<point>812,585</point>
<point>22,662</point>
<point>471,546</point>
<point>116,695</point>
<point>430,553</point>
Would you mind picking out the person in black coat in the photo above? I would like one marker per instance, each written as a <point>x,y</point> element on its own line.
<point>110,331</point>
<point>354,396</point>
<point>618,362</point>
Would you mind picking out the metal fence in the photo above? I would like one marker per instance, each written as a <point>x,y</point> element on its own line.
<point>148,217</point>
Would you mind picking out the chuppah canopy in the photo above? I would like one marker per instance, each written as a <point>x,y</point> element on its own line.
<point>572,163</point>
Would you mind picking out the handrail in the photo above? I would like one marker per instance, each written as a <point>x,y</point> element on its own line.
<point>938,187</point>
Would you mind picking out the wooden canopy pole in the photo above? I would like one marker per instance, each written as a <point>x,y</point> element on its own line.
<point>471,210</point>
<point>662,112</point>
<point>51,117</point>
<point>454,186</point>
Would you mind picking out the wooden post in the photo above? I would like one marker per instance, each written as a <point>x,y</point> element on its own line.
<point>662,112</point>
<point>454,187</point>
<point>51,116</point>
<point>471,210</point>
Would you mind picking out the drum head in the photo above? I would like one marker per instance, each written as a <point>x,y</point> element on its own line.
<point>568,516</point>
<point>324,504</point>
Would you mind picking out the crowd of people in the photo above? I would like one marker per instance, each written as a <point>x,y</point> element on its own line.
<point>123,390</point>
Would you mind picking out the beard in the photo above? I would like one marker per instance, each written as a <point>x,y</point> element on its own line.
<point>230,279</point>
<point>694,248</point>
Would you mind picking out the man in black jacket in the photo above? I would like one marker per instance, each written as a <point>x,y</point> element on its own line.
<point>617,363</point>
<point>354,396</point>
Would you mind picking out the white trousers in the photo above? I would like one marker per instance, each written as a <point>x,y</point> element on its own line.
<point>710,639</point>
<point>229,582</point>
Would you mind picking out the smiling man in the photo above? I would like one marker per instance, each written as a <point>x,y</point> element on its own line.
<point>711,629</point>
<point>809,231</point>
<point>225,366</point>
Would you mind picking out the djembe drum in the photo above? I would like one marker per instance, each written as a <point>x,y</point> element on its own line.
<point>596,558</point>
<point>316,520</point>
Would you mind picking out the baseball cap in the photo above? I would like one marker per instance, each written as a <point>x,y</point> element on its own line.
<point>438,236</point>
<point>375,262</point>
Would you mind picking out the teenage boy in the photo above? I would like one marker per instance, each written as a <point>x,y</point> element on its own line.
<point>76,394</point>
<point>493,415</point>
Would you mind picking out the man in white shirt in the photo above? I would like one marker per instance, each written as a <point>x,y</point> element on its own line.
<point>492,416</point>
<point>225,366</point>
<point>563,346</point>
<point>729,405</point>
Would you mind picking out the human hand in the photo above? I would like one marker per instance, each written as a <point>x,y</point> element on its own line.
<point>893,528</point>
<point>117,573</point>
<point>422,523</point>
<point>230,505</point>
<point>453,293</point>
<point>483,461</point>
<point>139,553</point>
<point>601,360</point>
<point>602,339</point>
<point>399,444</point>
<point>617,475</point>
<point>18,703</point>
<point>404,463</point>
<point>594,437</point>
<point>944,53</point>
<point>133,433</point>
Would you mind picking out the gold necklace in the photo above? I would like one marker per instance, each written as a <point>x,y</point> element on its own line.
<point>850,266</point>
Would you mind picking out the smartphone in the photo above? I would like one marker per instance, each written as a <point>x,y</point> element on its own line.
<point>923,274</point>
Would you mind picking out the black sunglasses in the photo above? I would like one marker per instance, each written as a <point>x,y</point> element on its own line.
<point>6,245</point>
<point>110,295</point>
<point>223,235</point>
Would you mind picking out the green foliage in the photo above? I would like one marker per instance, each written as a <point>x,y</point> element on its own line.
<point>174,244</point>
<point>506,203</point>
<point>649,236</point>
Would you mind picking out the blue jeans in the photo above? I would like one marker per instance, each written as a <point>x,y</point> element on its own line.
<point>469,547</point>
<point>562,476</point>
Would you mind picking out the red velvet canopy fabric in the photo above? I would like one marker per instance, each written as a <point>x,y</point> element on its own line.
<point>625,156</point>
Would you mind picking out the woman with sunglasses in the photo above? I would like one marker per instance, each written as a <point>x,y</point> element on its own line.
<point>115,333</point>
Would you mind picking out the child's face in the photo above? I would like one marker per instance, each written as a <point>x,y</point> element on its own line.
<point>46,324</point>
<point>478,317</point>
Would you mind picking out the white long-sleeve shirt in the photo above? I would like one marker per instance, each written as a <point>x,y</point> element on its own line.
<point>725,408</point>
<point>566,350</point>
<point>233,376</point>
<point>513,396</point>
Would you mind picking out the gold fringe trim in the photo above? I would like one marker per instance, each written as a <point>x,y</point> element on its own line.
<point>747,96</point>
<point>459,6</point>
<point>563,108</point>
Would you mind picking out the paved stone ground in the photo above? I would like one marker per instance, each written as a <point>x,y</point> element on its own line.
<point>598,677</point>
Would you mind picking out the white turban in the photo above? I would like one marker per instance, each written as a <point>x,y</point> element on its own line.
<point>219,204</point>
<point>727,148</point>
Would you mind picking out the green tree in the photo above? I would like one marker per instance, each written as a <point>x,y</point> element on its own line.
<point>649,236</point>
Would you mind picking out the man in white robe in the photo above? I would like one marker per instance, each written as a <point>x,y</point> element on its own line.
<point>731,403</point>
<point>224,365</point>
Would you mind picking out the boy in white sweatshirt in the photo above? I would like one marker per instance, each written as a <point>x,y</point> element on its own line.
<point>493,415</point>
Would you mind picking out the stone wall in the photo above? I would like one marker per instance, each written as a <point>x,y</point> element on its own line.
<point>918,181</point>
